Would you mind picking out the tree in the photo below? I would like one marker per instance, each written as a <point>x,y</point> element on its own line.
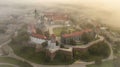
<point>62,46</point>
<point>100,49</point>
<point>83,55</point>
<point>57,43</point>
<point>39,31</point>
<point>86,38</point>
<point>23,36</point>
<point>2,30</point>
<point>47,59</point>
<point>44,44</point>
<point>47,34</point>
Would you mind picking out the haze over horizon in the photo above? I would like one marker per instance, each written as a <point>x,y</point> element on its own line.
<point>111,6</point>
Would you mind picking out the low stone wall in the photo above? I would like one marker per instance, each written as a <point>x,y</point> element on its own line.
<point>69,52</point>
<point>80,49</point>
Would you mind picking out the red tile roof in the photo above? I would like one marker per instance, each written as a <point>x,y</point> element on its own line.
<point>32,28</point>
<point>53,35</point>
<point>78,33</point>
<point>57,16</point>
<point>39,36</point>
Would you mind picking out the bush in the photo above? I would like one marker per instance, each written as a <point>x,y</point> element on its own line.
<point>98,61</point>
<point>44,44</point>
<point>83,55</point>
<point>62,46</point>
<point>100,49</point>
<point>94,53</point>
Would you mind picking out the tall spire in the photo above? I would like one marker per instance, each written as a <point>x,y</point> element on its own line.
<point>36,14</point>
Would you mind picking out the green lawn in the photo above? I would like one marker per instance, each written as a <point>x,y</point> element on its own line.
<point>14,61</point>
<point>6,66</point>
<point>104,64</point>
<point>29,53</point>
<point>79,43</point>
<point>57,31</point>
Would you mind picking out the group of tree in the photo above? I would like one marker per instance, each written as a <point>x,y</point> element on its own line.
<point>98,51</point>
<point>22,37</point>
<point>87,37</point>
<point>39,31</point>
<point>2,30</point>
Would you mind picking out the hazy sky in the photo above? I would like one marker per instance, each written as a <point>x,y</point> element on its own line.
<point>113,2</point>
<point>109,5</point>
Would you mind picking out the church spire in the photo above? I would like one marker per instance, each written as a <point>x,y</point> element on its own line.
<point>36,14</point>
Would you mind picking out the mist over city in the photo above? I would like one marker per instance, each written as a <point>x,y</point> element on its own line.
<point>102,8</point>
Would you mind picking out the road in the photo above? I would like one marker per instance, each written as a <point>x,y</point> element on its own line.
<point>9,64</point>
<point>101,38</point>
<point>111,56</point>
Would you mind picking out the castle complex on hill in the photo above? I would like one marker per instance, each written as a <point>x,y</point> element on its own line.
<point>46,22</point>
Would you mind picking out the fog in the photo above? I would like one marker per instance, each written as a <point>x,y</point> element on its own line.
<point>105,9</point>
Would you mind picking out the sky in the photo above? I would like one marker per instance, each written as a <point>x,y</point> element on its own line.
<point>111,2</point>
<point>109,5</point>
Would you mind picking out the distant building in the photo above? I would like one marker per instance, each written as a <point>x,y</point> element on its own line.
<point>34,36</point>
<point>56,18</point>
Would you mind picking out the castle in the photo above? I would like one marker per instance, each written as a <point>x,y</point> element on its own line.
<point>44,22</point>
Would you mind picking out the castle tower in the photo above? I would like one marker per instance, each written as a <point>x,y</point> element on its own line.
<point>52,48</point>
<point>52,42</point>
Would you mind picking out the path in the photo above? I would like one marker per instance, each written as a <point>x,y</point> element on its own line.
<point>101,38</point>
<point>9,64</point>
<point>111,56</point>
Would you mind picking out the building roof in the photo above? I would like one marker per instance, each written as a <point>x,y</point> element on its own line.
<point>60,18</point>
<point>32,28</point>
<point>56,16</point>
<point>78,33</point>
<point>39,36</point>
<point>53,35</point>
